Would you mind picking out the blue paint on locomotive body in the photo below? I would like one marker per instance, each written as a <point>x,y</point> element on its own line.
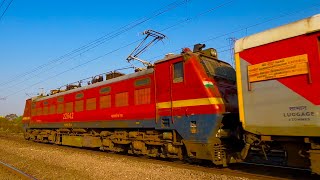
<point>198,128</point>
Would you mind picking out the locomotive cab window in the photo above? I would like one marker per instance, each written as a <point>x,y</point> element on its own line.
<point>218,69</point>
<point>178,72</point>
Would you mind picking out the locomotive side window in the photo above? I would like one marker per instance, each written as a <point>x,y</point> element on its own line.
<point>79,95</point>
<point>178,72</point>
<point>122,99</point>
<point>33,109</point>
<point>45,110</point>
<point>52,109</point>
<point>60,109</point>
<point>105,90</point>
<point>105,101</point>
<point>39,111</point>
<point>60,99</point>
<point>69,107</point>
<point>142,82</point>
<point>79,106</point>
<point>142,96</point>
<point>91,104</point>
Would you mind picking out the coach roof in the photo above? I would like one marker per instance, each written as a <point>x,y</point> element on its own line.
<point>304,26</point>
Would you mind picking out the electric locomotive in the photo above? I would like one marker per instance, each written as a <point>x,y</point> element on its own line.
<point>184,106</point>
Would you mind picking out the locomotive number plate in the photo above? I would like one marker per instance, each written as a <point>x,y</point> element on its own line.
<point>68,115</point>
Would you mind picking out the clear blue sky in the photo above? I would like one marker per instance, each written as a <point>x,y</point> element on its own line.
<point>35,32</point>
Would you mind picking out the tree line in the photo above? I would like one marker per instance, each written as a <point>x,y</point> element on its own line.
<point>11,123</point>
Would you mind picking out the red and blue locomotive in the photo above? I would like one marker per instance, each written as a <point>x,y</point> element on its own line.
<point>181,107</point>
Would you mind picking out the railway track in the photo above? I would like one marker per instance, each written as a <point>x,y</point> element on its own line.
<point>243,170</point>
<point>14,172</point>
<point>246,170</point>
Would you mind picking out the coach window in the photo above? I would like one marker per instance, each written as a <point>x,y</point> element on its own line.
<point>178,72</point>
<point>122,99</point>
<point>91,104</point>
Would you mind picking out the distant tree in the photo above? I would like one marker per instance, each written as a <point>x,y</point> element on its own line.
<point>11,117</point>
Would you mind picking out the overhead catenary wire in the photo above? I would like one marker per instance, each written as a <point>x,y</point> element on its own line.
<point>210,39</point>
<point>75,67</point>
<point>167,28</point>
<point>210,10</point>
<point>244,28</point>
<point>5,10</point>
<point>95,43</point>
<point>198,15</point>
<point>2,3</point>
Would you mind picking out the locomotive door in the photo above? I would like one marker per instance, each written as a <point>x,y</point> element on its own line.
<point>169,86</point>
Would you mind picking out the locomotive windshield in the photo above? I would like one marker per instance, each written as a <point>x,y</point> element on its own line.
<point>218,69</point>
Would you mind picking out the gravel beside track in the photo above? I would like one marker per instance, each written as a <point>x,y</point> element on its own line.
<point>46,161</point>
<point>9,172</point>
<point>5,174</point>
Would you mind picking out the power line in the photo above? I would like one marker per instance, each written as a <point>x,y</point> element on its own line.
<point>198,15</point>
<point>2,3</point>
<point>5,10</point>
<point>247,27</point>
<point>103,39</point>
<point>210,10</point>
<point>210,39</point>
<point>75,67</point>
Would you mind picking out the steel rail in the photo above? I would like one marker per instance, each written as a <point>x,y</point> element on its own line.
<point>16,171</point>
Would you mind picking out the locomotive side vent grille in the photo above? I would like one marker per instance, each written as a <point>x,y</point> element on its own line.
<point>165,122</point>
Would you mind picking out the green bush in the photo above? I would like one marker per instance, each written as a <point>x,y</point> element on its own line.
<point>11,126</point>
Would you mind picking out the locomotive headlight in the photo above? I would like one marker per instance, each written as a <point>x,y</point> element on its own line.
<point>213,52</point>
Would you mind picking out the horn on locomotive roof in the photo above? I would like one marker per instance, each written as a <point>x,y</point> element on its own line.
<point>144,45</point>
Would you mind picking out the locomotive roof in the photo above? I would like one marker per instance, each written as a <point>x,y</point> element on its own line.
<point>167,58</point>
<point>304,26</point>
<point>117,79</point>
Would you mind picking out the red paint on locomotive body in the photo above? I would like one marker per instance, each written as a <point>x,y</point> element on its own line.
<point>143,111</point>
<point>189,95</point>
<point>189,88</point>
